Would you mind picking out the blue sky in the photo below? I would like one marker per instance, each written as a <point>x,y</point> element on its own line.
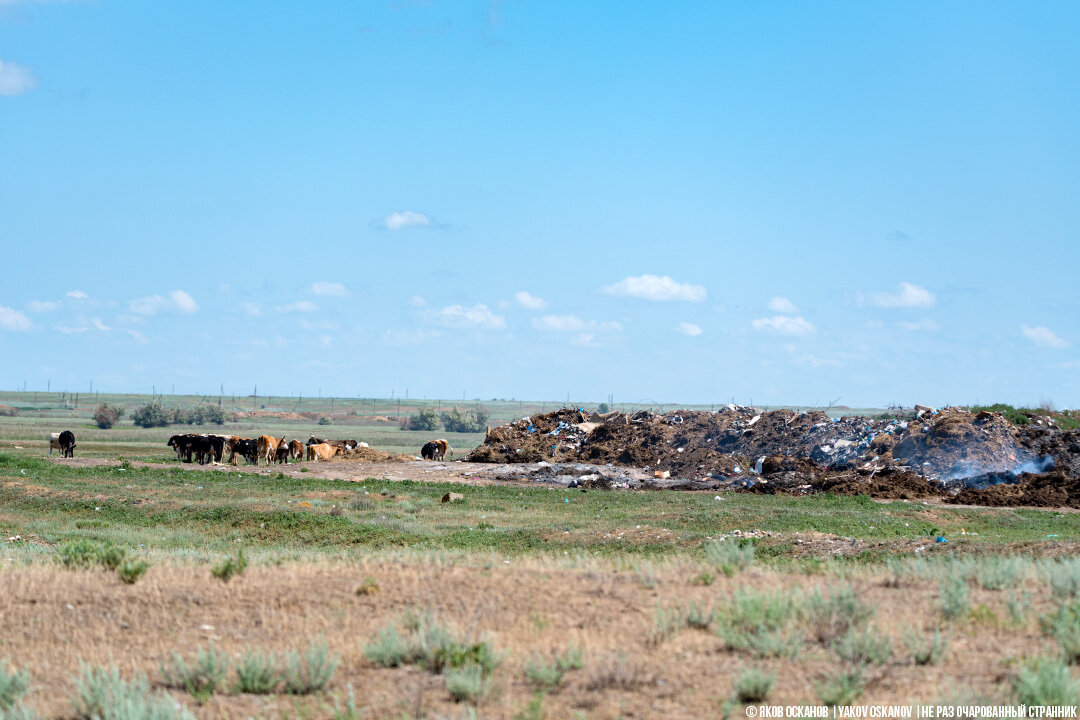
<point>683,202</point>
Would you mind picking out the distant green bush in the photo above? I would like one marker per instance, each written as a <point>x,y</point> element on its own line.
<point>129,571</point>
<point>309,671</point>
<point>323,420</point>
<point>230,567</point>
<point>151,415</point>
<point>470,421</point>
<point>202,678</point>
<point>425,419</point>
<point>107,415</point>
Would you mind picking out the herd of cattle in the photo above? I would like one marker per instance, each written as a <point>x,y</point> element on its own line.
<point>205,449</point>
<point>269,449</point>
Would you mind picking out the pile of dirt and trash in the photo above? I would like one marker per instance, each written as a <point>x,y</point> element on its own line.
<point>927,454</point>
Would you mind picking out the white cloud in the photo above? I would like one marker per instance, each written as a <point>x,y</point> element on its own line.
<point>16,79</point>
<point>301,306</point>
<point>178,301</point>
<point>11,319</point>
<point>84,325</point>
<point>782,305</point>
<point>584,340</point>
<point>1044,337</point>
<point>77,294</point>
<point>252,308</point>
<point>406,219</point>
<point>572,323</point>
<point>529,301</point>
<point>417,301</point>
<point>927,324</point>
<point>909,296</point>
<point>653,287</point>
<point>688,329</point>
<point>329,288</point>
<point>183,302</point>
<point>40,306</point>
<point>785,325</point>
<point>477,317</point>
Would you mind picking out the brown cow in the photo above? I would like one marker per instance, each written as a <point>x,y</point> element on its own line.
<point>296,450</point>
<point>268,446</point>
<point>441,448</point>
<point>322,451</point>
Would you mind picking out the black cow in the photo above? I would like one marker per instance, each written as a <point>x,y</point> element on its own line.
<point>282,455</point>
<point>202,449</point>
<point>67,444</point>
<point>180,445</point>
<point>206,448</point>
<point>430,450</point>
<point>249,448</point>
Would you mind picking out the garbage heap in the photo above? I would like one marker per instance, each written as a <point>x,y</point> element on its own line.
<point>790,450</point>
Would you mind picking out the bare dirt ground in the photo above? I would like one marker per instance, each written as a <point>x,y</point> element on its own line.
<point>337,469</point>
<point>53,619</point>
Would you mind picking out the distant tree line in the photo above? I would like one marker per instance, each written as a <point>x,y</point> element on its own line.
<point>155,414</point>
<point>453,420</point>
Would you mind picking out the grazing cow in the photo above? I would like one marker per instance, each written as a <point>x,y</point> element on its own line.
<point>315,441</point>
<point>296,450</point>
<point>442,448</point>
<point>217,447</point>
<point>268,446</point>
<point>283,453</point>
<point>67,443</point>
<point>204,449</point>
<point>230,446</point>
<point>428,451</point>
<point>322,451</point>
<point>54,442</point>
<point>176,442</point>
<point>249,449</point>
